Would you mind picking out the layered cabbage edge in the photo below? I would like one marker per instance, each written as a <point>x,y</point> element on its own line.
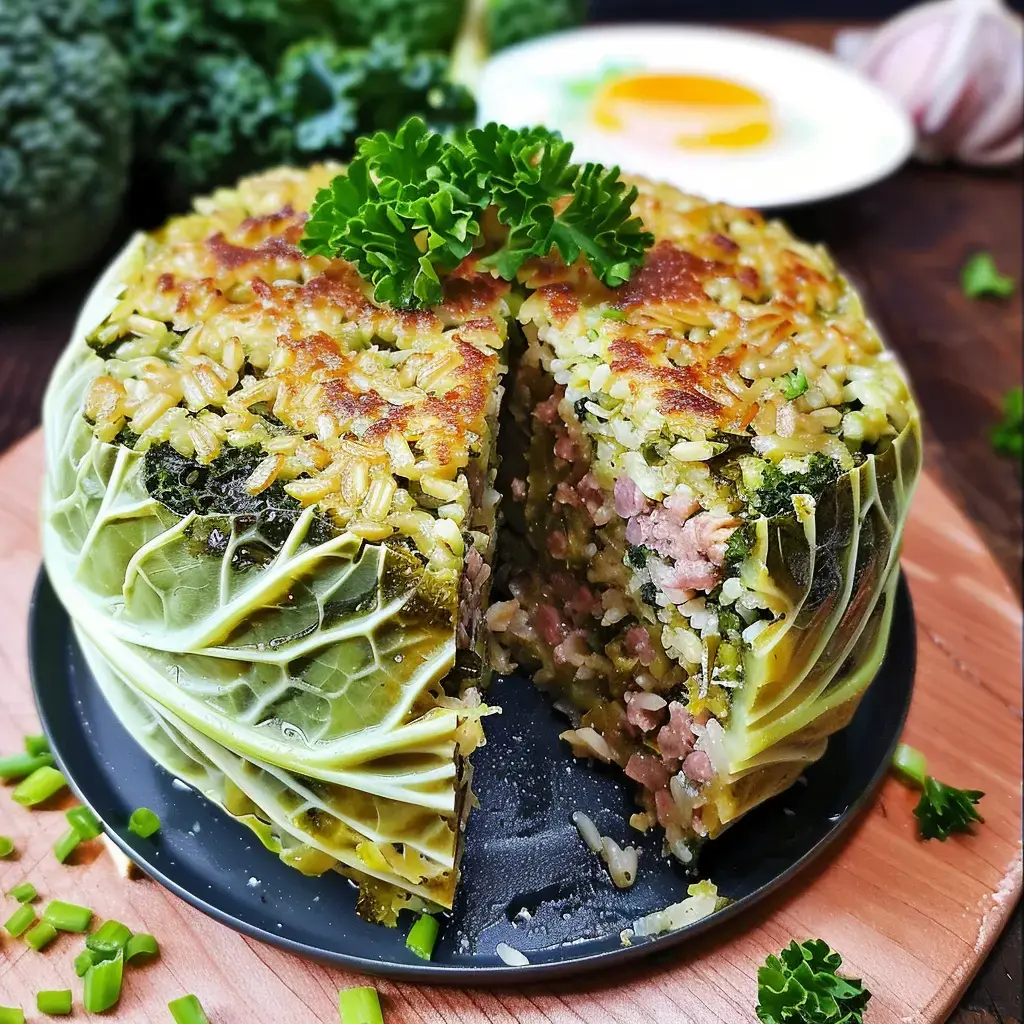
<point>270,512</point>
<point>720,459</point>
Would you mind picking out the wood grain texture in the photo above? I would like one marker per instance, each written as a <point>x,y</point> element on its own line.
<point>913,919</point>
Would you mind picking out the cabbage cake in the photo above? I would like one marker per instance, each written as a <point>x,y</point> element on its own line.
<point>272,500</point>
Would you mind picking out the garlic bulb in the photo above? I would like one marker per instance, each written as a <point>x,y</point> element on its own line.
<point>957,67</point>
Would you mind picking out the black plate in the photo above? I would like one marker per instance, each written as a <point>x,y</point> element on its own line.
<point>527,880</point>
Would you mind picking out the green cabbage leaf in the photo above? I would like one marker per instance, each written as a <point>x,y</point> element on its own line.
<point>828,569</point>
<point>291,671</point>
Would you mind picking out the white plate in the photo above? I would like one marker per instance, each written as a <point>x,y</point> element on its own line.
<point>835,131</point>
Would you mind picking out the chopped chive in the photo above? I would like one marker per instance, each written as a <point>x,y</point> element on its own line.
<point>66,844</point>
<point>422,936</point>
<point>20,921</point>
<point>109,937</point>
<point>24,893</point>
<point>18,766</point>
<point>143,823</point>
<point>911,765</point>
<point>103,985</point>
<point>41,936</point>
<point>11,1015</point>
<point>360,1006</point>
<point>141,945</point>
<point>6,847</point>
<point>42,784</point>
<point>54,1002</point>
<point>84,822</point>
<point>187,1010</point>
<point>36,745</point>
<point>68,917</point>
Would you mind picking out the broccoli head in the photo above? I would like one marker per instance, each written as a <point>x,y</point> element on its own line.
<point>65,138</point>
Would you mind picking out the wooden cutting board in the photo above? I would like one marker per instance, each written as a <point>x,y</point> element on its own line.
<point>913,919</point>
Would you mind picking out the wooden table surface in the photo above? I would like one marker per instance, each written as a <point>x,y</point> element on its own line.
<point>903,242</point>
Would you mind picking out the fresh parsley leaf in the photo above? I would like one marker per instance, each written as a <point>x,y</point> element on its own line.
<point>943,810</point>
<point>411,205</point>
<point>801,986</point>
<point>1008,436</point>
<point>792,384</point>
<point>980,277</point>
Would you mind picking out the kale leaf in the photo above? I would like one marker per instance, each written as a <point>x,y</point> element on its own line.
<point>774,495</point>
<point>223,88</point>
<point>218,490</point>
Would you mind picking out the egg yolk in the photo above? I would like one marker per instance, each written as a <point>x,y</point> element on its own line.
<point>691,111</point>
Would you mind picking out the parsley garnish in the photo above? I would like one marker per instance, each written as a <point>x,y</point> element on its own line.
<point>792,384</point>
<point>942,809</point>
<point>800,986</point>
<point>1008,436</point>
<point>980,276</point>
<point>411,206</point>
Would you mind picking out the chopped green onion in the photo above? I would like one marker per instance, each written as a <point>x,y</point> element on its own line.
<point>41,936</point>
<point>109,938</point>
<point>360,1006</point>
<point>18,766</point>
<point>11,1015</point>
<point>980,276</point>
<point>68,917</point>
<point>141,945</point>
<point>36,745</point>
<point>792,384</point>
<point>24,893</point>
<point>6,847</point>
<point>87,959</point>
<point>143,823</point>
<point>422,936</point>
<point>911,765</point>
<point>67,844</point>
<point>84,822</point>
<point>42,784</point>
<point>187,1010</point>
<point>54,1002</point>
<point>20,921</point>
<point>103,985</point>
<point>615,314</point>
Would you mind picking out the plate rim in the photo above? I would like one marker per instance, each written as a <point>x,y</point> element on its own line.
<point>623,957</point>
<point>824,58</point>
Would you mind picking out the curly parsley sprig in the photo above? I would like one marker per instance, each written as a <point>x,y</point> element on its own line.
<point>942,809</point>
<point>411,205</point>
<point>801,986</point>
